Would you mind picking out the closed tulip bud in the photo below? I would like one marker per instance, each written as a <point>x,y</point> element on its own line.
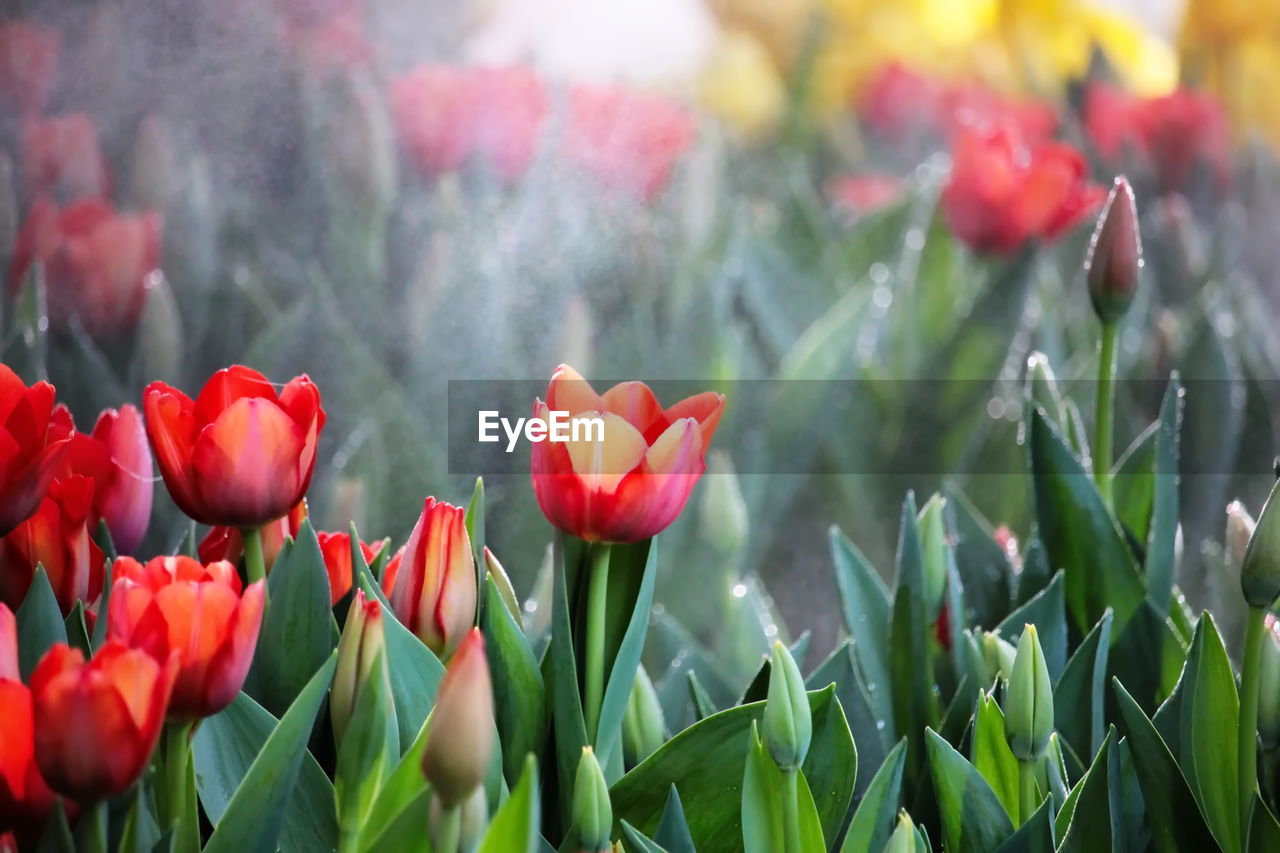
<point>461,728</point>
<point>632,481</point>
<point>998,654</point>
<point>788,722</point>
<point>1269,686</point>
<point>643,726</point>
<point>1114,260</point>
<point>933,542</point>
<point>197,613</point>
<point>1260,571</point>
<point>363,640</point>
<point>904,839</point>
<point>98,721</point>
<point>723,511</point>
<point>592,810</point>
<point>241,454</point>
<point>1029,700</point>
<point>433,589</point>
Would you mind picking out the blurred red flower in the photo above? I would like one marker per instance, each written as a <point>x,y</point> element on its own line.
<point>863,194</point>
<point>635,482</point>
<point>97,722</point>
<point>626,141</point>
<point>30,451</point>
<point>240,454</point>
<point>118,459</point>
<point>61,155</point>
<point>97,262</point>
<point>28,64</point>
<point>59,538</point>
<point>227,543</point>
<point>1005,190</point>
<point>25,800</point>
<point>336,548</point>
<point>433,589</point>
<point>177,605</point>
<point>1175,134</point>
<point>446,115</point>
<point>334,44</point>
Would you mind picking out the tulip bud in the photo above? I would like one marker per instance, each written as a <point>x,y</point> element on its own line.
<point>933,542</point>
<point>363,640</point>
<point>1240,526</point>
<point>1114,260</point>
<point>723,510</point>
<point>643,727</point>
<point>1269,687</point>
<point>998,654</point>
<point>592,811</point>
<point>1029,700</point>
<point>460,730</point>
<point>433,590</point>
<point>904,839</point>
<point>788,722</point>
<point>1260,571</point>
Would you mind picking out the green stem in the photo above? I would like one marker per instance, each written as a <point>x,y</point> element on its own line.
<point>254,565</point>
<point>1102,423</point>
<point>446,833</point>
<point>597,609</point>
<point>1028,799</point>
<point>174,801</point>
<point>1254,636</point>
<point>791,811</point>
<point>91,832</point>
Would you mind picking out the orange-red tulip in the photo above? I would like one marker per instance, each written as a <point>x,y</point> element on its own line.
<point>634,483</point>
<point>28,64</point>
<point>8,644</point>
<point>176,605</point>
<point>97,262</point>
<point>97,722</point>
<point>29,453</point>
<point>227,543</point>
<point>61,155</point>
<point>433,591</point>
<point>118,459</point>
<point>58,537</point>
<point>25,800</point>
<point>336,548</point>
<point>240,454</point>
<point>460,732</point>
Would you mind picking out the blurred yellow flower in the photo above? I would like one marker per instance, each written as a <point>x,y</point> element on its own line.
<point>1232,48</point>
<point>741,85</point>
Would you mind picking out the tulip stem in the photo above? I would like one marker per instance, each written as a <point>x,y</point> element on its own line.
<point>1027,799</point>
<point>791,811</point>
<point>597,609</point>
<point>91,831</point>
<point>1102,423</point>
<point>446,833</point>
<point>1254,636</point>
<point>176,803</point>
<point>254,565</point>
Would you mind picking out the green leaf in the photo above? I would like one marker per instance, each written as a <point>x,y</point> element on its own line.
<point>1079,696</point>
<point>369,750</point>
<point>254,817</point>
<point>764,793</point>
<point>104,605</point>
<point>1264,830</point>
<point>1133,484</point>
<point>1047,611</point>
<point>1035,835</point>
<point>915,704</point>
<point>404,834</point>
<point>1160,557</point>
<point>983,565</point>
<point>866,615</point>
<point>1089,829</point>
<point>640,841</point>
<point>515,827</point>
<point>39,622</point>
<point>867,730</point>
<point>703,707</point>
<point>474,522</point>
<point>1080,535</point>
<point>77,633</point>
<point>633,570</point>
<point>971,814</point>
<point>873,820</point>
<point>297,633</point>
<point>706,762</point>
<point>1173,815</point>
<point>1147,656</point>
<point>560,675</point>
<point>992,757</point>
<point>399,793</point>
<point>673,829</point>
<point>520,702</point>
<point>1209,746</point>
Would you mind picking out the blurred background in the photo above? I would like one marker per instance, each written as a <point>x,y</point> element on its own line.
<point>388,195</point>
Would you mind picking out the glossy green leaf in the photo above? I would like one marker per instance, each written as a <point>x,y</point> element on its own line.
<point>254,817</point>
<point>1264,829</point>
<point>1209,746</point>
<point>1035,835</point>
<point>868,730</point>
<point>1089,829</point>
<point>104,604</point>
<point>1133,484</point>
<point>515,826</point>
<point>1047,611</point>
<point>400,792</point>
<point>1079,696</point>
<point>915,704</point>
<point>39,623</point>
<point>991,756</point>
<point>640,841</point>
<point>630,603</point>
<point>983,565</point>
<point>673,829</point>
<point>971,814</point>
<point>1161,544</point>
<point>520,704</point>
<point>866,612</point>
<point>764,792</point>
<point>874,818</point>
<point>560,675</point>
<point>77,632</point>
<point>370,749</point>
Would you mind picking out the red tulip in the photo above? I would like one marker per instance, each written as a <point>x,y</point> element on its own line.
<point>97,722</point>
<point>116,456</point>
<point>25,799</point>
<point>392,570</point>
<point>626,141</point>
<point>61,155</point>
<point>436,598</point>
<point>28,63</point>
<point>8,644</point>
<point>240,454</point>
<point>336,548</point>
<point>863,194</point>
<point>634,483</point>
<point>97,262</point>
<point>196,612</point>
<point>29,453</point>
<point>445,115</point>
<point>227,543</point>
<point>57,537</point>
<point>1005,191</point>
<point>1175,133</point>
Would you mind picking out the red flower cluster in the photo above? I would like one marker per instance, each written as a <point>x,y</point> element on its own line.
<point>28,63</point>
<point>1006,190</point>
<point>61,155</point>
<point>1175,135</point>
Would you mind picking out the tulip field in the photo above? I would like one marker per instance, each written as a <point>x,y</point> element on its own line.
<point>878,426</point>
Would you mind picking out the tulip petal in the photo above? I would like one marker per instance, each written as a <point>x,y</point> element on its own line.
<point>603,464</point>
<point>705,408</point>
<point>172,430</point>
<point>569,392</point>
<point>635,402</point>
<point>226,387</point>
<point>246,463</point>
